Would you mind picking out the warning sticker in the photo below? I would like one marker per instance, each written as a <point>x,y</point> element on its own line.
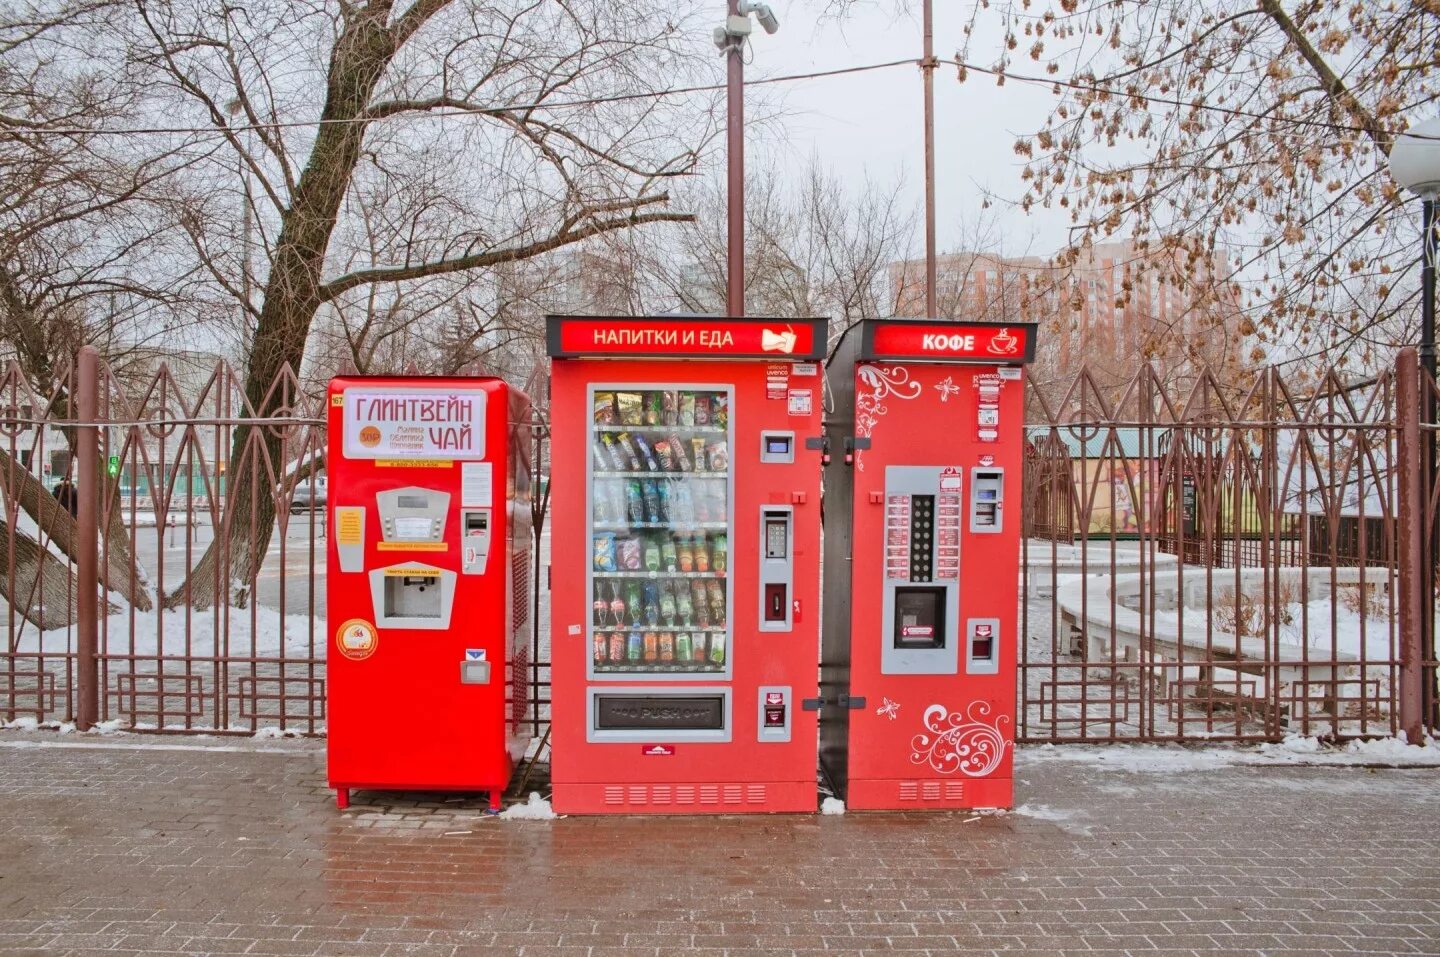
<point>798,402</point>
<point>356,639</point>
<point>349,525</point>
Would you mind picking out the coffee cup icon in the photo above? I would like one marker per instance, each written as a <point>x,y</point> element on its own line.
<point>1003,343</point>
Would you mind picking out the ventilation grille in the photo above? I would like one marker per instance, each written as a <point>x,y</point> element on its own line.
<point>922,791</point>
<point>683,795</point>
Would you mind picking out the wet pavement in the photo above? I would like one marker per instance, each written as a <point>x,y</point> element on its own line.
<point>119,846</point>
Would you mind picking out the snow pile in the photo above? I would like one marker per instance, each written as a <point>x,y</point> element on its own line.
<point>20,724</point>
<point>832,805</point>
<point>535,809</point>
<point>1043,812</point>
<point>1294,750</point>
<point>266,734</point>
<point>1395,751</point>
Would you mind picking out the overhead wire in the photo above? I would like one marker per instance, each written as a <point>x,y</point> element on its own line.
<point>1055,83</point>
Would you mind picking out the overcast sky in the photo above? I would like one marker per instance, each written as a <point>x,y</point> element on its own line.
<point>873,122</point>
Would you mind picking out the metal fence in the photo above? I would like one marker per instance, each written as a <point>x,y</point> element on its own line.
<point>1235,560</point>
<point>1229,561</point>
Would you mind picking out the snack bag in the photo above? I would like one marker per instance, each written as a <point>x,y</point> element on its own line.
<point>630,406</point>
<point>669,408</point>
<point>720,411</point>
<point>702,410</point>
<point>604,408</point>
<point>719,456</point>
<point>604,552</point>
<point>629,554</point>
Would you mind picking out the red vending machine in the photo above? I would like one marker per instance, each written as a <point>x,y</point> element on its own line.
<point>685,573</point>
<point>427,595</point>
<point>922,508</point>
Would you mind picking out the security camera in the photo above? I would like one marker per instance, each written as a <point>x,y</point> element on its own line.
<point>763,13</point>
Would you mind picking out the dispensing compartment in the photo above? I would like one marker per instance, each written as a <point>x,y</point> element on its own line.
<point>658,715</point>
<point>412,595</point>
<point>919,617</point>
<point>987,491</point>
<point>777,567</point>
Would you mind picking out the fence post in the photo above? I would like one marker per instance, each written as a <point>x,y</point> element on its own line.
<point>1411,528</point>
<point>87,540</point>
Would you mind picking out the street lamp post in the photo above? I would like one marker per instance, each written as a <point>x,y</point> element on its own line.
<point>731,40</point>
<point>1415,166</point>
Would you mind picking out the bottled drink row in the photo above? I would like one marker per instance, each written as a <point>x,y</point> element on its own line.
<point>652,605</point>
<point>660,552</point>
<point>660,651</point>
<point>633,452</point>
<point>656,407</point>
<point>658,501</point>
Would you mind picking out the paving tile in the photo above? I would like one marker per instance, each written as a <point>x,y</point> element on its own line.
<point>161,851</point>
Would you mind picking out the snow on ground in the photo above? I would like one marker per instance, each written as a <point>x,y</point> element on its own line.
<point>1295,750</point>
<point>534,809</point>
<point>238,635</point>
<point>1308,623</point>
<point>832,805</point>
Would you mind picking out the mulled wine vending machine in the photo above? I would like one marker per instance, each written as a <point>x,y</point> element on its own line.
<point>922,543</point>
<point>428,599</point>
<point>685,565</point>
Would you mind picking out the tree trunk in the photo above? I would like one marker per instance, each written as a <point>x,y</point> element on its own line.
<point>38,586</point>
<point>119,573</point>
<point>360,55</point>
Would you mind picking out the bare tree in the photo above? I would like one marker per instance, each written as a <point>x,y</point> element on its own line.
<point>424,141</point>
<point>1252,125</point>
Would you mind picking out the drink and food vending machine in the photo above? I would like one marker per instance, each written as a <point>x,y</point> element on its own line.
<point>685,564</point>
<point>428,596</point>
<point>922,545</point>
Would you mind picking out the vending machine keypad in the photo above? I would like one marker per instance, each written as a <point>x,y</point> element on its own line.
<point>922,537</point>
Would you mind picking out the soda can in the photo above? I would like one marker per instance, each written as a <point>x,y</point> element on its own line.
<point>667,646</point>
<point>599,646</point>
<point>634,646</point>
<point>617,646</point>
<point>697,646</point>
<point>652,646</point>
<point>682,646</point>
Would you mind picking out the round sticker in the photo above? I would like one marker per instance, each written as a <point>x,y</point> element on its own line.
<point>356,639</point>
<point>369,436</point>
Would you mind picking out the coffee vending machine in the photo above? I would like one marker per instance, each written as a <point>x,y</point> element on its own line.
<point>922,543</point>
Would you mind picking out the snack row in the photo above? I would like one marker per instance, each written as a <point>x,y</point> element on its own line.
<point>663,407</point>
<point>633,452</point>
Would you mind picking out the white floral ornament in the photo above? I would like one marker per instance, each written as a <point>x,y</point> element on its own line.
<point>947,388</point>
<point>963,742</point>
<point>883,383</point>
<point>889,709</point>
